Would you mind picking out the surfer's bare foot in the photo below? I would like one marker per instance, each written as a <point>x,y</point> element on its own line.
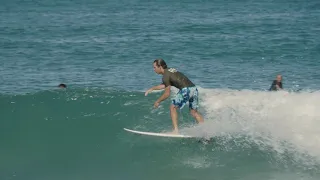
<point>173,132</point>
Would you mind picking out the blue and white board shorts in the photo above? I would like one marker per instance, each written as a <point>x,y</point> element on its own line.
<point>186,95</point>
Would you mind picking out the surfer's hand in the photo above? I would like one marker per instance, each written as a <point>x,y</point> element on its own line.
<point>147,92</point>
<point>156,104</point>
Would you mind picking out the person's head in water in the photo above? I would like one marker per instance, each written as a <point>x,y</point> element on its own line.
<point>62,86</point>
<point>159,65</point>
<point>279,78</point>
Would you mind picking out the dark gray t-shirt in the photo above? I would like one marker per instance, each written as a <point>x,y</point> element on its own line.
<point>175,78</point>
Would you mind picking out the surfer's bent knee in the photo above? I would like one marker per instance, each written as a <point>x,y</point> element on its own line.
<point>193,112</point>
<point>173,107</point>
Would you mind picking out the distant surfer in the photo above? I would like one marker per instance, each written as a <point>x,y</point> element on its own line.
<point>62,86</point>
<point>187,92</point>
<point>276,84</point>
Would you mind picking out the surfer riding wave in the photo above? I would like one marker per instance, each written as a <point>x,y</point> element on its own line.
<point>188,92</point>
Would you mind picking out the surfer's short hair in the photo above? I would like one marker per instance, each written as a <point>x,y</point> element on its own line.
<point>62,85</point>
<point>160,62</point>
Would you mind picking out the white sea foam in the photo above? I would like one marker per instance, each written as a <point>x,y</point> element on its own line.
<point>270,119</point>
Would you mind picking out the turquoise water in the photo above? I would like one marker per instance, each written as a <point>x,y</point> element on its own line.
<point>103,51</point>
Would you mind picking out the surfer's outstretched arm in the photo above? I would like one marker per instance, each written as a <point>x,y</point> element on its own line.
<point>159,87</point>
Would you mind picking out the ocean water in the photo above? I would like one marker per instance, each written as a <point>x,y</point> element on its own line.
<point>103,51</point>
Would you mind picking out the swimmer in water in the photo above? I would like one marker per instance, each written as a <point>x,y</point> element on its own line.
<point>276,84</point>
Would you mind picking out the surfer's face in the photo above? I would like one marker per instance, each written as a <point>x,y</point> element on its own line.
<point>156,68</point>
<point>279,78</point>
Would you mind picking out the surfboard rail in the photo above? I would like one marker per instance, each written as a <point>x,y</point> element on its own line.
<point>158,134</point>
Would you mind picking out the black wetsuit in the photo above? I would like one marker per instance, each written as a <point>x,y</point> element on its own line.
<point>175,78</point>
<point>274,87</point>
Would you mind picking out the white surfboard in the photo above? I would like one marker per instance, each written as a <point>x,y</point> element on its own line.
<point>158,134</point>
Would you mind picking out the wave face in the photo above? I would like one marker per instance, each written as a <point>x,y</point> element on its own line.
<point>78,134</point>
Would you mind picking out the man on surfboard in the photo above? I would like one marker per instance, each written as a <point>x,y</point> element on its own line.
<point>187,92</point>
